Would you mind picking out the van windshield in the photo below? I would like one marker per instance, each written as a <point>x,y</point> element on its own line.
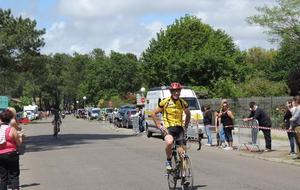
<point>193,103</point>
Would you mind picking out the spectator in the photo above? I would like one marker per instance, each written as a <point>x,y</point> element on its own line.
<point>227,122</point>
<point>219,125</point>
<point>141,119</point>
<point>263,121</point>
<point>295,123</point>
<point>9,158</point>
<point>207,120</point>
<point>13,122</point>
<point>290,133</point>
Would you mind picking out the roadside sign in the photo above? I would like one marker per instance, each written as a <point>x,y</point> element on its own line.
<point>140,100</point>
<point>3,102</point>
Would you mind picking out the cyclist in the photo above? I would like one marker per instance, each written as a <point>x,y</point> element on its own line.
<point>56,121</point>
<point>172,109</point>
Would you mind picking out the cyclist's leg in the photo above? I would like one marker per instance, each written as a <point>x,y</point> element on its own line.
<point>169,142</point>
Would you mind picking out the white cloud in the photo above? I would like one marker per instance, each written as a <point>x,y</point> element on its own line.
<point>119,25</point>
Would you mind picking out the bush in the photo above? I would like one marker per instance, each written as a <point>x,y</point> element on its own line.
<point>263,87</point>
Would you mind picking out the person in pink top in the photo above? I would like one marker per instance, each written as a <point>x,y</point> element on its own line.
<point>10,138</point>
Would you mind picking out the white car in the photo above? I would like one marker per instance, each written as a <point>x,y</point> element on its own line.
<point>30,115</point>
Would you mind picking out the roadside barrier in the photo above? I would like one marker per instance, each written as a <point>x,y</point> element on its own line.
<point>135,123</point>
<point>246,138</point>
<point>192,132</point>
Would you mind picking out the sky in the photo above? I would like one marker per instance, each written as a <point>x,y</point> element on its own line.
<point>127,26</point>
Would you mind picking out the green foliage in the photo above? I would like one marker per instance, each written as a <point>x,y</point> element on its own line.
<point>226,88</point>
<point>257,86</point>
<point>294,80</point>
<point>201,91</point>
<point>25,101</point>
<point>261,62</point>
<point>282,20</point>
<point>190,52</point>
<point>283,24</point>
<point>19,45</point>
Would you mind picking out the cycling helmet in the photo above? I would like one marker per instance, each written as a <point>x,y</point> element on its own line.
<point>175,86</point>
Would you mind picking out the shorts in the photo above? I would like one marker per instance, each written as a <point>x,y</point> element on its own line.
<point>178,133</point>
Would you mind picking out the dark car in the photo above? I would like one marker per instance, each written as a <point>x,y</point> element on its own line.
<point>127,119</point>
<point>120,115</point>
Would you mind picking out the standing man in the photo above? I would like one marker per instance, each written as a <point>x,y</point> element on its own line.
<point>263,121</point>
<point>295,123</point>
<point>172,109</point>
<point>207,121</point>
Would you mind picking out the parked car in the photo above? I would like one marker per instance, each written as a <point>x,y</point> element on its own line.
<point>121,112</point>
<point>107,113</point>
<point>81,113</point>
<point>30,115</point>
<point>94,113</point>
<point>127,117</point>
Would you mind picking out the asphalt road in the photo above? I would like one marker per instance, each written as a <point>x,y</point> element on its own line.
<point>95,156</point>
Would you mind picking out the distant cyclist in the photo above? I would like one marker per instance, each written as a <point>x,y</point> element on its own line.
<point>56,121</point>
<point>172,109</point>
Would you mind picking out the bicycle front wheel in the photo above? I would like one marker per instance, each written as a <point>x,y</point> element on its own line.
<point>187,180</point>
<point>173,175</point>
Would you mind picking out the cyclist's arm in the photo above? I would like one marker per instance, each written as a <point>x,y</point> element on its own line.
<point>155,118</point>
<point>187,117</point>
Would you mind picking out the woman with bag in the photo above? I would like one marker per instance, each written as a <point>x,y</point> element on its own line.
<point>10,138</point>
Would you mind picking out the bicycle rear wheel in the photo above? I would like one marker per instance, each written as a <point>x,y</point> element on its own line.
<point>187,180</point>
<point>173,175</point>
<point>55,131</point>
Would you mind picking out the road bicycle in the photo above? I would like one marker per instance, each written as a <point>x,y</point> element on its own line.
<point>56,128</point>
<point>181,169</point>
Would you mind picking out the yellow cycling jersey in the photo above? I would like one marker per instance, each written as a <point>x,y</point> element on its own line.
<point>173,111</point>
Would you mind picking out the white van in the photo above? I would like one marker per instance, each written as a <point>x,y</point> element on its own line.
<point>155,95</point>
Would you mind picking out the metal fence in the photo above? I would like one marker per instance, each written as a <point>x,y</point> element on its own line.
<point>135,123</point>
<point>247,135</point>
<point>240,106</point>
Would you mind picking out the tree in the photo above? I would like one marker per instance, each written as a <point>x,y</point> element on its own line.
<point>282,21</point>
<point>294,81</point>
<point>190,52</point>
<point>283,24</point>
<point>258,86</point>
<point>261,62</point>
<point>226,88</point>
<point>20,42</point>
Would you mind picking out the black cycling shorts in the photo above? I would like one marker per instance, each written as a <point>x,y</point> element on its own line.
<point>178,134</point>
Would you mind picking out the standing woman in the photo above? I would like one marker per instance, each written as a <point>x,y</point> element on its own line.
<point>291,134</point>
<point>227,121</point>
<point>9,158</point>
<point>13,122</point>
<point>219,126</point>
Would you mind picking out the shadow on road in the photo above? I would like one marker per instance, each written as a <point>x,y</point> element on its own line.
<point>39,122</point>
<point>47,142</point>
<point>195,187</point>
<point>29,185</point>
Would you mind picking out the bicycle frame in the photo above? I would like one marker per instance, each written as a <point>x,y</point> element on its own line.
<point>181,168</point>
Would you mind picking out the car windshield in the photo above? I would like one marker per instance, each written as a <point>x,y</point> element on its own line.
<point>132,112</point>
<point>110,110</point>
<point>193,103</point>
<point>95,111</point>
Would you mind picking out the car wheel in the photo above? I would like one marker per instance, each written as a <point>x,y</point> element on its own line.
<point>148,133</point>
